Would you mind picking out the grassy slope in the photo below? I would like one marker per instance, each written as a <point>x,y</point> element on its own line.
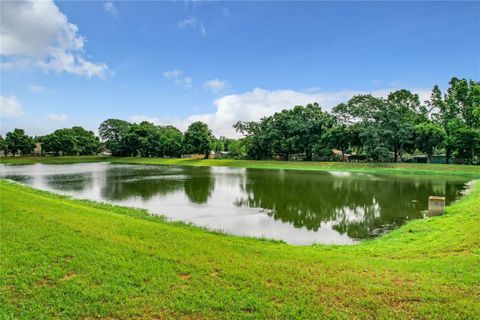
<point>473,171</point>
<point>73,259</point>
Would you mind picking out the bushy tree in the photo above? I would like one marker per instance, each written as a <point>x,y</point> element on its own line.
<point>198,139</point>
<point>17,140</point>
<point>428,137</point>
<point>339,137</point>
<point>466,141</point>
<point>287,132</point>
<point>71,141</point>
<point>112,132</point>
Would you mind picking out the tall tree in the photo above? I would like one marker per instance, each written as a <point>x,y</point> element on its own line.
<point>113,132</point>
<point>198,139</point>
<point>467,144</point>
<point>403,110</point>
<point>17,140</point>
<point>428,137</point>
<point>339,137</point>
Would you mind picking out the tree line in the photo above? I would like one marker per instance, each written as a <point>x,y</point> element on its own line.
<point>122,138</point>
<point>365,127</point>
<point>376,129</point>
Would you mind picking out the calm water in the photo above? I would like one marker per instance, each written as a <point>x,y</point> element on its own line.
<point>299,207</point>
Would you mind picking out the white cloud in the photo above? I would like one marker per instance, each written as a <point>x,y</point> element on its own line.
<point>255,104</point>
<point>36,88</point>
<point>193,23</point>
<point>10,107</point>
<point>216,85</point>
<point>36,33</point>
<point>57,117</point>
<point>179,78</point>
<point>110,8</point>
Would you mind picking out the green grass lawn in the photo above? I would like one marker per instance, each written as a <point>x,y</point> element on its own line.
<point>64,258</point>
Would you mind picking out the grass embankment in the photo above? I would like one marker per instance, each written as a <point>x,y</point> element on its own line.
<point>404,168</point>
<point>78,259</point>
<point>53,160</point>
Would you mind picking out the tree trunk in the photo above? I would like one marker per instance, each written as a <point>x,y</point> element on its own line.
<point>308,156</point>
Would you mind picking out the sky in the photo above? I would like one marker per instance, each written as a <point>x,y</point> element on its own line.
<point>79,63</point>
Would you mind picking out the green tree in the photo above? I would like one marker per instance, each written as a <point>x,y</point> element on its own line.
<point>403,111</point>
<point>428,137</point>
<point>86,141</point>
<point>466,141</point>
<point>198,139</point>
<point>339,137</point>
<point>458,108</point>
<point>71,141</point>
<point>170,141</point>
<point>17,140</point>
<point>287,132</point>
<point>112,132</point>
<point>236,148</point>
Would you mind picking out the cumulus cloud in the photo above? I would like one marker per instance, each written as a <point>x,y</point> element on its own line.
<point>193,23</point>
<point>179,78</point>
<point>216,85</point>
<point>255,104</point>
<point>10,107</point>
<point>35,88</point>
<point>57,117</point>
<point>110,7</point>
<point>37,33</point>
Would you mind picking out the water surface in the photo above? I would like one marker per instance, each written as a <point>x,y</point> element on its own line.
<point>298,207</point>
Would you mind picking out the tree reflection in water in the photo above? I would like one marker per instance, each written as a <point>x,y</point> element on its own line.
<point>356,204</point>
<point>147,182</point>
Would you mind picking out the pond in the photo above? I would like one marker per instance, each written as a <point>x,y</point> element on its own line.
<point>298,207</point>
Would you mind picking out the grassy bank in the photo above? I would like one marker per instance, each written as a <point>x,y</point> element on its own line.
<point>78,259</point>
<point>53,160</point>
<point>403,168</point>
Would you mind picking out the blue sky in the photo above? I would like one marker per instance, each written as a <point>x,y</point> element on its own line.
<point>219,62</point>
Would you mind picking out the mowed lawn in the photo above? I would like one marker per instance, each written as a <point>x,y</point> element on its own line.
<point>63,258</point>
